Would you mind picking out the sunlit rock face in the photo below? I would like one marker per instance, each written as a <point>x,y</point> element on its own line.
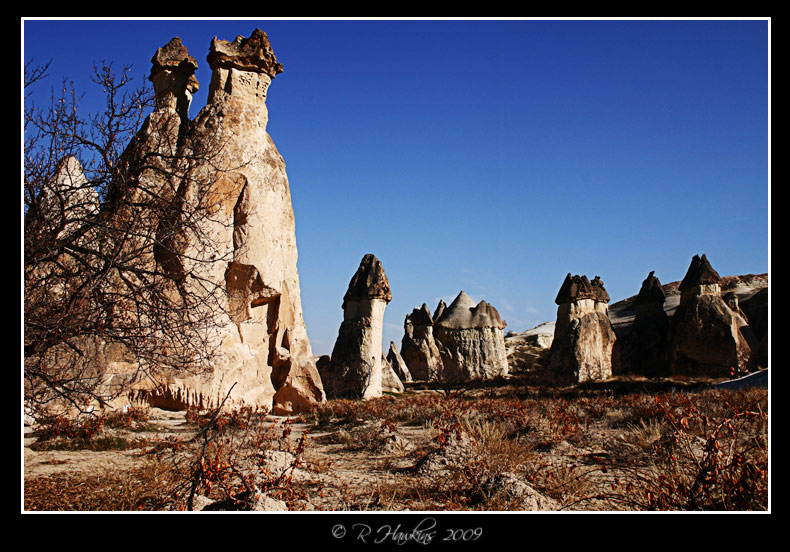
<point>583,336</point>
<point>398,364</point>
<point>355,370</point>
<point>264,352</point>
<point>471,341</point>
<point>708,337</point>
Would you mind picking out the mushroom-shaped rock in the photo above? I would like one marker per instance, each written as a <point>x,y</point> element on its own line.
<point>253,54</point>
<point>583,335</point>
<point>173,77</point>
<point>707,338</point>
<point>356,370</point>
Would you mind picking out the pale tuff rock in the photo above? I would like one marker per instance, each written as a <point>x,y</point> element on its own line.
<point>707,337</point>
<point>263,346</point>
<point>583,336</point>
<point>355,370</point>
<point>390,382</point>
<point>651,325</point>
<point>419,349</point>
<point>173,77</point>
<point>398,364</point>
<point>472,341</point>
<point>70,198</point>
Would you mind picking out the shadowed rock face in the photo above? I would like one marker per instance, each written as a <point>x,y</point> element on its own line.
<point>471,341</point>
<point>583,335</point>
<point>707,338</point>
<point>756,310</point>
<point>356,369</point>
<point>263,345</point>
<point>651,325</point>
<point>419,349</point>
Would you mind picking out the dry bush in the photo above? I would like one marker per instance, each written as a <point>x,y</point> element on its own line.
<point>105,431</point>
<point>228,459</point>
<point>144,488</point>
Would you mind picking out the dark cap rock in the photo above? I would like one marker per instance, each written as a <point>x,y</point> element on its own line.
<point>651,290</point>
<point>247,54</point>
<point>369,282</point>
<point>173,56</point>
<point>700,272</point>
<point>421,316</point>
<point>575,288</point>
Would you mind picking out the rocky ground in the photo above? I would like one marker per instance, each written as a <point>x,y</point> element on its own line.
<point>619,445</point>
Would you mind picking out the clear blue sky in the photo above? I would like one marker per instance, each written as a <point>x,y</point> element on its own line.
<point>492,156</point>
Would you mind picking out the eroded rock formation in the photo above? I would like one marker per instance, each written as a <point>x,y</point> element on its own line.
<point>241,183</point>
<point>418,346</point>
<point>398,364</point>
<point>583,336</point>
<point>707,337</point>
<point>472,341</point>
<point>355,370</point>
<point>390,382</point>
<point>651,325</point>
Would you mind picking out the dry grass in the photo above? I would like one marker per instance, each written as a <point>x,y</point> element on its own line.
<point>588,448</point>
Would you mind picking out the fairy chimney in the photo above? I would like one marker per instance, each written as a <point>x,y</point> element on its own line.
<point>262,345</point>
<point>583,334</point>
<point>418,346</point>
<point>651,325</point>
<point>707,338</point>
<point>355,370</point>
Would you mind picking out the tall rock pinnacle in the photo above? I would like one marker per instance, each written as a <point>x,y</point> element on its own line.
<point>355,370</point>
<point>263,346</point>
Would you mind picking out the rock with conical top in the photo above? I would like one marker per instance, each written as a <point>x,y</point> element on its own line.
<point>355,370</point>
<point>472,343</point>
<point>583,334</point>
<point>419,349</point>
<point>398,364</point>
<point>651,325</point>
<point>707,338</point>
<point>440,308</point>
<point>390,382</point>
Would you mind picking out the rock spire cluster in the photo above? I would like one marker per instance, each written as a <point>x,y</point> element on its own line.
<point>262,345</point>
